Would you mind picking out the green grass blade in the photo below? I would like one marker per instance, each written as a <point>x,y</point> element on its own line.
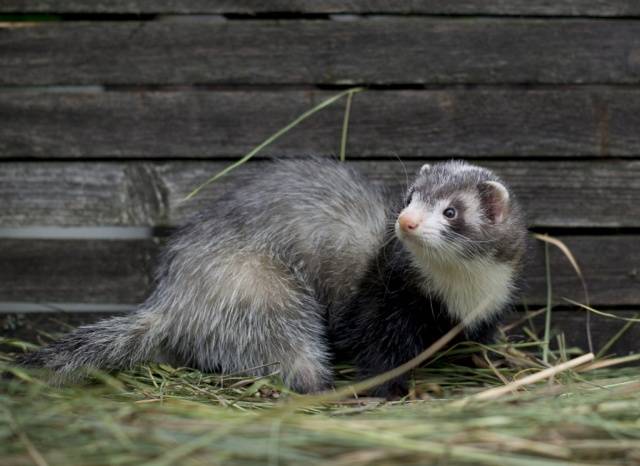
<point>345,126</point>
<point>547,318</point>
<point>274,137</point>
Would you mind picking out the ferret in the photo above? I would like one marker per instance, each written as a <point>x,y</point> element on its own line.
<point>307,260</point>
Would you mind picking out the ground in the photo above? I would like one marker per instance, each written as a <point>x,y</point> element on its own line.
<point>161,415</point>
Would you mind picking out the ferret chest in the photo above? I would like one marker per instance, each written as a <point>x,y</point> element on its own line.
<point>471,291</point>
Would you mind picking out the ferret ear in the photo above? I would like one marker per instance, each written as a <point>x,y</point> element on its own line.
<point>425,168</point>
<point>495,199</point>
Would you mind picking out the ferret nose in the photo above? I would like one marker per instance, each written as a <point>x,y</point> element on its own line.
<point>408,222</point>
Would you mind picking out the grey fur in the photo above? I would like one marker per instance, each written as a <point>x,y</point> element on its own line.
<point>253,282</point>
<point>248,284</point>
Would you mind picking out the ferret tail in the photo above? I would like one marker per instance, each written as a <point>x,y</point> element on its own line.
<point>112,344</point>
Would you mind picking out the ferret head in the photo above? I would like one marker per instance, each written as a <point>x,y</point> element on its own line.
<point>457,211</point>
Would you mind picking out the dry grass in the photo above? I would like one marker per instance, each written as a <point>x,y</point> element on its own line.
<point>162,416</point>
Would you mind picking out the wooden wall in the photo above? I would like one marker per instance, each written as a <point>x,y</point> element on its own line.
<point>111,112</point>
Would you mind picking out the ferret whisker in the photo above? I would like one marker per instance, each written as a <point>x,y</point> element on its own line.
<point>470,240</point>
<point>406,174</point>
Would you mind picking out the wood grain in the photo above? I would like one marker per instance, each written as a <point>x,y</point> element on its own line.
<point>593,121</point>
<point>554,194</point>
<point>118,272</point>
<point>81,194</point>
<point>465,7</point>
<point>397,50</point>
<point>75,270</point>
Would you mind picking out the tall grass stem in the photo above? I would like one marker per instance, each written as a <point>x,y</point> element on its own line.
<point>345,127</point>
<point>547,319</point>
<point>274,137</point>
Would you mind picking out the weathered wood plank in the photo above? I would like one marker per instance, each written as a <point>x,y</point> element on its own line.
<point>465,7</point>
<point>118,272</point>
<point>490,122</point>
<point>610,264</point>
<point>573,325</point>
<point>68,194</point>
<point>75,270</point>
<point>554,194</point>
<point>395,50</point>
<point>28,327</point>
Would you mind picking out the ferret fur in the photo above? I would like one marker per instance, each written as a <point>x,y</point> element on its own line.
<point>300,263</point>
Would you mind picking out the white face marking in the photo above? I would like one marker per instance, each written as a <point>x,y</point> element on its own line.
<point>472,289</point>
<point>432,223</point>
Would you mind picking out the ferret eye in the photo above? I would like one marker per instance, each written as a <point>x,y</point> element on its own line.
<point>449,212</point>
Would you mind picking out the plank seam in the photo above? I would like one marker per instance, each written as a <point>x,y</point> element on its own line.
<point>397,157</point>
<point>80,233</point>
<point>11,307</point>
<point>58,15</point>
<point>319,87</point>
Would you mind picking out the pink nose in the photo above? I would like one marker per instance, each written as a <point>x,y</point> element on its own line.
<point>408,222</point>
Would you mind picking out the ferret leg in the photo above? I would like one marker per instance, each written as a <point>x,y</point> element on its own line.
<point>258,317</point>
<point>290,339</point>
<point>378,360</point>
<point>262,341</point>
<point>308,370</point>
<point>295,338</point>
<point>379,337</point>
